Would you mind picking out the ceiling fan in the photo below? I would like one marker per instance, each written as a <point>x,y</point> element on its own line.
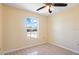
<point>52,4</point>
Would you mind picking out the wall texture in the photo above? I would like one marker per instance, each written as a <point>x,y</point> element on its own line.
<point>64,28</point>
<point>1,27</point>
<point>14,34</point>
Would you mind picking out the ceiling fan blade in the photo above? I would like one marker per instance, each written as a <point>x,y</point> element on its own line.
<point>40,8</point>
<point>60,4</point>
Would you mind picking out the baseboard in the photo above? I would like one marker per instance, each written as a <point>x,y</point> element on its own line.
<point>77,52</point>
<point>38,45</point>
<point>22,48</point>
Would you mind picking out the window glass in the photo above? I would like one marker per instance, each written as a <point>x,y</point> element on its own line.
<point>32,28</point>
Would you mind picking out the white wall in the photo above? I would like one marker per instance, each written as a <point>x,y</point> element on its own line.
<point>14,34</point>
<point>64,28</point>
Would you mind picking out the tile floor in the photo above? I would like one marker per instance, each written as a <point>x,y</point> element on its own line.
<point>44,49</point>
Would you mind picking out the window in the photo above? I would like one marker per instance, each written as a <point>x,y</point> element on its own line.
<point>32,27</point>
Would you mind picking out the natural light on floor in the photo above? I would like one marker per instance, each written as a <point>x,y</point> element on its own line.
<point>33,53</point>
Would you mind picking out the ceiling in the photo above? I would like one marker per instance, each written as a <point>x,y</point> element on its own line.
<point>33,6</point>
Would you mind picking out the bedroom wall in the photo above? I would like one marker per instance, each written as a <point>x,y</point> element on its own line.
<point>61,29</point>
<point>1,27</point>
<point>14,30</point>
<point>64,29</point>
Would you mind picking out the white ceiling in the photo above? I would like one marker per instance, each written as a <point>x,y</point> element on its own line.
<point>33,6</point>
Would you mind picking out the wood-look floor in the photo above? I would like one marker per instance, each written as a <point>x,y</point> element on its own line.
<point>45,49</point>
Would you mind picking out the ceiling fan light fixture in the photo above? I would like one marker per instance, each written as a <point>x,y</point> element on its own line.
<point>50,6</point>
<point>50,9</point>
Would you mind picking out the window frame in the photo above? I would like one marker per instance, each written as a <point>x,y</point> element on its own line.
<point>37,19</point>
